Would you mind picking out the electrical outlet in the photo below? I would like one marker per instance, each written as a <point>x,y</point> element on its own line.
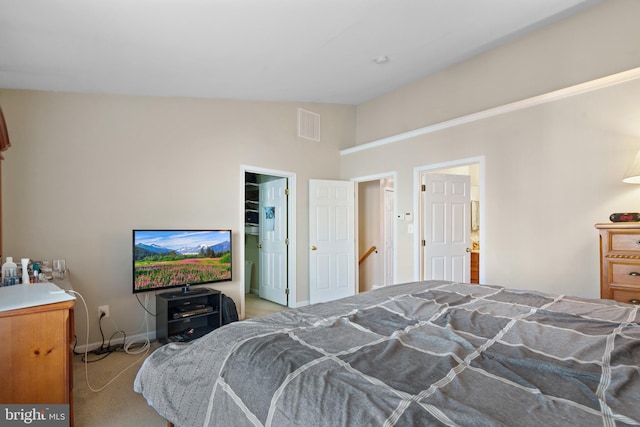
<point>103,309</point>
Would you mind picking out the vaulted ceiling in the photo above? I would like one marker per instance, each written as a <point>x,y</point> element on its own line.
<point>333,51</point>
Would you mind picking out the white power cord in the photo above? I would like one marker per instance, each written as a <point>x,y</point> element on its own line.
<point>145,348</point>
<point>146,344</point>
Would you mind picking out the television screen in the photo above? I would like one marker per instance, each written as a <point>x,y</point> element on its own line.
<point>165,259</point>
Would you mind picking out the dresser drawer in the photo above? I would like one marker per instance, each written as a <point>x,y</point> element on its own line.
<point>626,295</point>
<point>625,242</point>
<point>626,273</point>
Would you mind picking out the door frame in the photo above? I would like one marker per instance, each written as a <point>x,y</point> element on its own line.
<point>480,161</point>
<point>377,177</point>
<point>291,232</point>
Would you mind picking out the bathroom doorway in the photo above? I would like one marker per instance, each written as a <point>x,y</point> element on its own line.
<point>473,169</point>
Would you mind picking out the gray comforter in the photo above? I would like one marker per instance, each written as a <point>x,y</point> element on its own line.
<point>428,353</point>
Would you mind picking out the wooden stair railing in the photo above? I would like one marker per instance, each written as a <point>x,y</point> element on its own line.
<point>371,250</point>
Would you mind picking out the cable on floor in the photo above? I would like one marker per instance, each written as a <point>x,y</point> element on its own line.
<point>144,348</point>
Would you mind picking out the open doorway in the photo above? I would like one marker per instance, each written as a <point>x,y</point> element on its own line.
<point>376,225</point>
<point>268,232</point>
<point>473,170</point>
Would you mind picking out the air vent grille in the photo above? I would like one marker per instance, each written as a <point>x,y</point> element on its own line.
<point>308,125</point>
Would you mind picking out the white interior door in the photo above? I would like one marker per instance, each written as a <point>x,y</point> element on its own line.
<point>273,241</point>
<point>446,207</point>
<point>331,239</point>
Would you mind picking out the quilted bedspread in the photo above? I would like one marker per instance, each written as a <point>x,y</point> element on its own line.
<point>426,353</point>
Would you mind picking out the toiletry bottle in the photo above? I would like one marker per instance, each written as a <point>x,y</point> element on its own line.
<point>35,267</point>
<point>9,273</point>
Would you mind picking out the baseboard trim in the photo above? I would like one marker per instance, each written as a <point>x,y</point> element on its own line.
<point>298,304</point>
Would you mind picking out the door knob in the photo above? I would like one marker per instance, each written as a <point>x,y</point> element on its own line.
<point>259,245</point>
<point>468,249</point>
<point>313,248</point>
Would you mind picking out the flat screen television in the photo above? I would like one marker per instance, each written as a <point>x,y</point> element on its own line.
<point>165,259</point>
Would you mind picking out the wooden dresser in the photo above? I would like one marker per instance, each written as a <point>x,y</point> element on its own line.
<point>620,261</point>
<point>475,267</point>
<point>36,330</point>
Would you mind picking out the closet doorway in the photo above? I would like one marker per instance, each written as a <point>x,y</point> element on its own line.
<point>268,250</point>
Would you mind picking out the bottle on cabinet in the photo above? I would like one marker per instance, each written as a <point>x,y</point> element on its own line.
<point>9,273</point>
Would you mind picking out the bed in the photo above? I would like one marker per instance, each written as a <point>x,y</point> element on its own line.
<point>424,353</point>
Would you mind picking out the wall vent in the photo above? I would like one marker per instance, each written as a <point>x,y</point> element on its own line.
<point>308,125</point>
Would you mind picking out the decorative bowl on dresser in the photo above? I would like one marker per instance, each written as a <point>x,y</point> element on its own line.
<point>620,261</point>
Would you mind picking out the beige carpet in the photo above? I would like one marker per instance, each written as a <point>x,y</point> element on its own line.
<point>117,404</point>
<point>256,307</point>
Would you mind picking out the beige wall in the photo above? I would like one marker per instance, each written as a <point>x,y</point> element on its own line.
<point>552,170</point>
<point>84,170</point>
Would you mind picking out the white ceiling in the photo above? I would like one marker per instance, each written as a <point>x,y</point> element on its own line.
<point>279,50</point>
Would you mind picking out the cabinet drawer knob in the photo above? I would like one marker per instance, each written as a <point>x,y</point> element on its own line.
<point>635,301</point>
<point>634,273</point>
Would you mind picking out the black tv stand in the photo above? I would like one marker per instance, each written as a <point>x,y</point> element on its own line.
<point>190,292</point>
<point>187,316</point>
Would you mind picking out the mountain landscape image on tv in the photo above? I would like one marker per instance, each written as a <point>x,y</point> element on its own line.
<point>180,258</point>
